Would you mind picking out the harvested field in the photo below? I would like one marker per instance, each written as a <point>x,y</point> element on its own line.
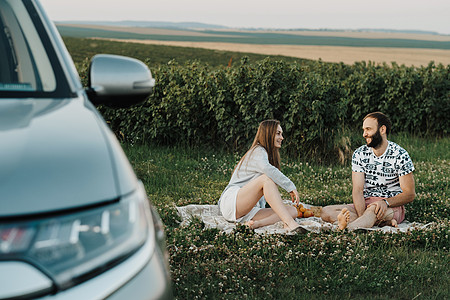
<point>347,55</point>
<point>410,49</point>
<point>355,34</point>
<point>233,32</point>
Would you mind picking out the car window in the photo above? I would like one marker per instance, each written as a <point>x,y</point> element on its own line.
<point>27,67</point>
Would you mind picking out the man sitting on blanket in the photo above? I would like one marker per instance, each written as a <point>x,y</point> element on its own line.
<point>382,180</point>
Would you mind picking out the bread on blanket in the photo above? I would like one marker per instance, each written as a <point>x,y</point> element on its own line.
<point>312,211</point>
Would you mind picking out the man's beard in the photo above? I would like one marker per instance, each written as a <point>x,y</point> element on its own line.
<point>376,140</point>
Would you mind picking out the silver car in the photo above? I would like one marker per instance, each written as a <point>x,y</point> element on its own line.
<point>75,222</point>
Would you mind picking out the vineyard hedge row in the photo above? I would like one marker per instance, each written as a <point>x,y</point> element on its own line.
<point>317,103</point>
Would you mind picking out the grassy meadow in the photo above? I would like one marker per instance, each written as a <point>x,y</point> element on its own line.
<point>208,264</point>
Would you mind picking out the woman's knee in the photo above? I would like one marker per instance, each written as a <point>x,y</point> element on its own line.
<point>266,180</point>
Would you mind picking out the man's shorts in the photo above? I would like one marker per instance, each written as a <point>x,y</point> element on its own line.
<point>399,211</point>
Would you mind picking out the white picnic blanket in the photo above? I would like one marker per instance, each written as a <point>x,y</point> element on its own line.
<point>211,217</point>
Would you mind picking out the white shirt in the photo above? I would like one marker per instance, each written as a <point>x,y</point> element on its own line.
<point>255,165</point>
<point>382,172</point>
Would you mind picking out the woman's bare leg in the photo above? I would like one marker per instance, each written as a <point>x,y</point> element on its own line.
<point>267,216</point>
<point>254,190</point>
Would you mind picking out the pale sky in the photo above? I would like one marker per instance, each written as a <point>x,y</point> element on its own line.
<point>429,15</point>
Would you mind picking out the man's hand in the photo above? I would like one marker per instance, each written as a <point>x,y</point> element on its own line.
<point>380,208</point>
<point>294,197</point>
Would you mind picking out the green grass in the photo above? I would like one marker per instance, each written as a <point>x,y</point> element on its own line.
<point>208,264</point>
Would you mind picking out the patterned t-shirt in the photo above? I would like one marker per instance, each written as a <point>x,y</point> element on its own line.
<point>382,173</point>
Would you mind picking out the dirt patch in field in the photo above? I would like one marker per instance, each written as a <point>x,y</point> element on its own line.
<point>348,55</point>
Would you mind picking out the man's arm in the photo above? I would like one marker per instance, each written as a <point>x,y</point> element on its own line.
<point>407,195</point>
<point>408,191</point>
<point>358,179</point>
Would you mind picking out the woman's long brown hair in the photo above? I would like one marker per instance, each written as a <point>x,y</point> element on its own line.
<point>265,137</point>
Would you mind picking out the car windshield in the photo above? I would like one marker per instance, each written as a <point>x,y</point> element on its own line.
<point>28,64</point>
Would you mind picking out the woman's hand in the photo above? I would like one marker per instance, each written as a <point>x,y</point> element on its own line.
<point>294,197</point>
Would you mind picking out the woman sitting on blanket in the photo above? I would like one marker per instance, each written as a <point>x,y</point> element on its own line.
<point>256,175</point>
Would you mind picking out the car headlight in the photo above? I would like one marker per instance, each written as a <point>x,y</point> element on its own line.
<point>73,247</point>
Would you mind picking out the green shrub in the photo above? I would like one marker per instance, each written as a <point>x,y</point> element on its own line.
<point>414,98</point>
<point>194,104</point>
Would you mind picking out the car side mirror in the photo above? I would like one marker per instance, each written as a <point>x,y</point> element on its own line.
<point>118,81</point>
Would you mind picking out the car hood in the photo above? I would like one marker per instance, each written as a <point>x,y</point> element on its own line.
<point>54,155</point>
